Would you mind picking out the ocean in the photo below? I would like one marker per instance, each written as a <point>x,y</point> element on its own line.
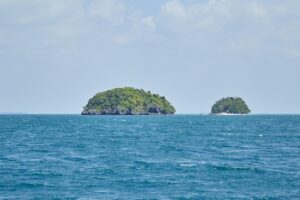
<point>149,157</point>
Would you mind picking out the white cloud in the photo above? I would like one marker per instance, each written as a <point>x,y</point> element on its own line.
<point>59,24</point>
<point>149,23</point>
<point>219,10</point>
<point>259,10</point>
<point>235,23</point>
<point>185,18</point>
<point>111,10</point>
<point>32,12</point>
<point>139,29</point>
<point>121,39</point>
<point>173,8</point>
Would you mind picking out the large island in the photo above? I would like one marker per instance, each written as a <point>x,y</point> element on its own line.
<point>230,105</point>
<point>127,101</point>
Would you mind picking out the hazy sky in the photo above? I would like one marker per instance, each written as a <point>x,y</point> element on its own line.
<point>56,54</point>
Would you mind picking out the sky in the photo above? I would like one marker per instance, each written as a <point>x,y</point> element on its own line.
<point>56,54</point>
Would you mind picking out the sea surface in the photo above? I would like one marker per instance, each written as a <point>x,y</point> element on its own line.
<point>149,157</point>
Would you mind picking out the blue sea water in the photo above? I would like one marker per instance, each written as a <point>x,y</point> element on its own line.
<point>149,157</point>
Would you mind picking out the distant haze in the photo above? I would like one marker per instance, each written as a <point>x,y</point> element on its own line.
<point>55,55</point>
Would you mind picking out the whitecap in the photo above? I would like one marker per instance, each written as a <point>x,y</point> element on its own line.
<point>187,164</point>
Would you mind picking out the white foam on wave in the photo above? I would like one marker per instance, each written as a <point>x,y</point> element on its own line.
<point>187,164</point>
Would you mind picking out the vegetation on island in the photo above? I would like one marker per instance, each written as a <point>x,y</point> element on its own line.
<point>230,105</point>
<point>127,101</point>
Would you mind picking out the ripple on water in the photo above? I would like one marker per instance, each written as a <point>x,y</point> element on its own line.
<point>153,157</point>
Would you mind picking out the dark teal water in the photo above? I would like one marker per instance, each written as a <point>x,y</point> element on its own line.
<point>149,157</point>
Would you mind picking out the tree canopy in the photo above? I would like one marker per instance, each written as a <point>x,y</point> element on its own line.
<point>230,105</point>
<point>127,101</point>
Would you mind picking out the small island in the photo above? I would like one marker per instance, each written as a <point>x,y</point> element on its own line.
<point>127,101</point>
<point>230,106</point>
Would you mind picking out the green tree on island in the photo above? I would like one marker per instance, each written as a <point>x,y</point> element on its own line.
<point>230,105</point>
<point>127,101</point>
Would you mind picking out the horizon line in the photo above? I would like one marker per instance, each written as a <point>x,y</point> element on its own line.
<point>27,113</point>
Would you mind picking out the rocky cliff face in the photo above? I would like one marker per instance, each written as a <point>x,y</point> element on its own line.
<point>127,101</point>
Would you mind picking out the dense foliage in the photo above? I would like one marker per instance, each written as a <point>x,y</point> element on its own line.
<point>230,105</point>
<point>127,101</point>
